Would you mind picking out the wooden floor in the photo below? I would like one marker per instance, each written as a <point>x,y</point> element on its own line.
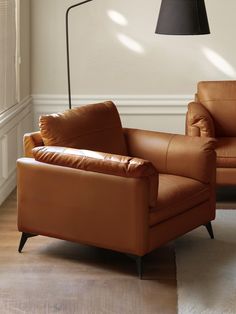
<point>54,276</point>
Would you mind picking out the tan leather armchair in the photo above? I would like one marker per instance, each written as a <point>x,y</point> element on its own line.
<point>213,114</point>
<point>77,183</point>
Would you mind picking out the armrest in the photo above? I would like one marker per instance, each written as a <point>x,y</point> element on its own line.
<point>192,157</point>
<point>199,121</point>
<point>102,163</point>
<point>30,141</point>
<point>83,206</point>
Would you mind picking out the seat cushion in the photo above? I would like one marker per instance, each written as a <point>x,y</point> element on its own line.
<point>92,127</point>
<point>175,195</point>
<point>226,152</point>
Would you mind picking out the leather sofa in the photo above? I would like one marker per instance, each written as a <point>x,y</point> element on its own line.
<point>86,179</point>
<point>213,114</point>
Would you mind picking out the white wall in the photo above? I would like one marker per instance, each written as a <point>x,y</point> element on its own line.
<point>102,67</point>
<point>25,51</point>
<point>17,120</point>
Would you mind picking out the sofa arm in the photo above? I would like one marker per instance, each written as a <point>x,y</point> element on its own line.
<point>199,121</point>
<point>82,206</point>
<point>192,157</point>
<point>30,141</point>
<point>110,164</point>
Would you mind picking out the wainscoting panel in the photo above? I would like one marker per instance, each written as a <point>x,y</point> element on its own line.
<point>13,124</point>
<point>163,113</point>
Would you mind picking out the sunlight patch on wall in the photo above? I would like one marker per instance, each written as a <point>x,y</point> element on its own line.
<point>130,43</point>
<point>219,62</point>
<point>117,17</point>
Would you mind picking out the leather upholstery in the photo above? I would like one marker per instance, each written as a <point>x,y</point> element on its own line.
<point>219,98</point>
<point>117,165</point>
<point>93,127</point>
<point>225,176</point>
<point>214,115</point>
<point>170,229</point>
<point>168,151</point>
<point>183,192</point>
<point>32,140</point>
<point>95,161</point>
<point>111,200</point>
<point>82,206</point>
<point>226,152</point>
<point>199,121</point>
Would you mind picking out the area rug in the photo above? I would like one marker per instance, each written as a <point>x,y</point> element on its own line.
<point>206,269</point>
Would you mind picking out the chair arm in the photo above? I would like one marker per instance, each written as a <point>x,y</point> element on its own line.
<point>30,141</point>
<point>82,206</point>
<point>192,157</point>
<point>199,121</point>
<point>102,163</point>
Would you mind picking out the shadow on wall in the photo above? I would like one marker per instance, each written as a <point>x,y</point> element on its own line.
<point>127,41</point>
<point>219,62</point>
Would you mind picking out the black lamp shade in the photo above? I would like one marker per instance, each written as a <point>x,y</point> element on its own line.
<point>183,17</point>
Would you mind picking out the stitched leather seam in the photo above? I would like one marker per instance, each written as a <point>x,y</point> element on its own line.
<point>168,150</point>
<point>234,99</point>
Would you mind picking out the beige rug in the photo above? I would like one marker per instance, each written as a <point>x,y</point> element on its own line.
<point>206,269</point>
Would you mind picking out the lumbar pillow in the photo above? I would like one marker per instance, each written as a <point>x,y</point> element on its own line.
<point>93,127</point>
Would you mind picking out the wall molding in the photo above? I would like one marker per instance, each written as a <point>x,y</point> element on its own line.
<point>126,104</point>
<point>12,112</point>
<point>13,124</point>
<point>8,186</point>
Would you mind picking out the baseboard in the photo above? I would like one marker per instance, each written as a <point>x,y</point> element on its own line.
<point>13,112</point>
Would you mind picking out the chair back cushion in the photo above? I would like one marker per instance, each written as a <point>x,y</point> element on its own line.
<point>219,97</point>
<point>93,127</point>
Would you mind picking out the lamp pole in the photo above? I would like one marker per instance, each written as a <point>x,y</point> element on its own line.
<point>68,46</point>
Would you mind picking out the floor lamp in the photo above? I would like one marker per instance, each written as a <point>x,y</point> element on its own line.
<point>176,17</point>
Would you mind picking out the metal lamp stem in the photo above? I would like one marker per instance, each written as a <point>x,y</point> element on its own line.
<point>68,47</point>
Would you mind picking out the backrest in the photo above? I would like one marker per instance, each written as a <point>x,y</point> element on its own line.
<point>219,98</point>
<point>93,127</point>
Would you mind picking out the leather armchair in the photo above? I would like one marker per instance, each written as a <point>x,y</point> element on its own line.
<point>213,114</point>
<point>93,193</point>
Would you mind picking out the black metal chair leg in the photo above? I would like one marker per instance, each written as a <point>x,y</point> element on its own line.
<point>210,230</point>
<point>139,264</point>
<point>24,238</point>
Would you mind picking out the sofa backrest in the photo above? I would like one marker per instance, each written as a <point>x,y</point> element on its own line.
<point>94,127</point>
<point>219,98</point>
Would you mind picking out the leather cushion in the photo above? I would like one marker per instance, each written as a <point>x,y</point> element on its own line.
<point>226,152</point>
<point>219,97</point>
<point>93,127</point>
<point>31,140</point>
<point>226,176</point>
<point>95,161</point>
<point>175,195</point>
